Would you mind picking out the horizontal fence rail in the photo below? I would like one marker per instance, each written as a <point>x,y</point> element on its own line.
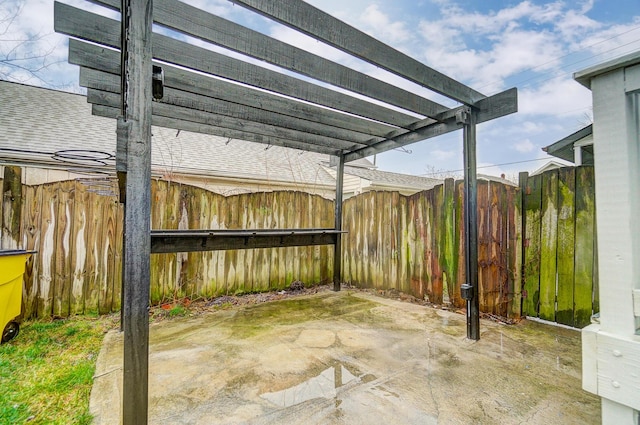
<point>536,253</point>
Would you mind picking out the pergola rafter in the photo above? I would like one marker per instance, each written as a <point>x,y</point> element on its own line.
<point>343,112</point>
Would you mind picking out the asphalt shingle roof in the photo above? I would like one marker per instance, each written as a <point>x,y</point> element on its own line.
<point>40,122</point>
<point>385,178</point>
<point>36,123</point>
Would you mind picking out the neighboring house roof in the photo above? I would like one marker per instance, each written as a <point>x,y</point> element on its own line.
<point>37,123</point>
<point>385,179</point>
<point>497,179</point>
<point>564,148</point>
<point>551,165</point>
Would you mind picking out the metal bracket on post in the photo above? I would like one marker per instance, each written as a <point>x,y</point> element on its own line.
<point>463,115</point>
<point>157,82</point>
<point>466,291</point>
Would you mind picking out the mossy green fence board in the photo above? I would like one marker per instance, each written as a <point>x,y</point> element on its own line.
<point>567,259</point>
<point>532,189</point>
<point>429,250</point>
<point>565,245</point>
<point>585,276</point>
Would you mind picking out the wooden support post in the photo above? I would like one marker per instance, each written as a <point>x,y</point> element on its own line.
<point>471,224</point>
<point>337,252</point>
<point>11,207</point>
<point>136,92</point>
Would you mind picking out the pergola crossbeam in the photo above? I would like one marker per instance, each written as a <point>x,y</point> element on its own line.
<point>214,90</point>
<point>195,127</point>
<point>309,20</point>
<point>213,29</point>
<point>112,100</point>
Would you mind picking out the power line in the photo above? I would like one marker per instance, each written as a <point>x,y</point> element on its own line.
<point>496,82</point>
<point>484,166</point>
<point>574,63</point>
<point>566,55</point>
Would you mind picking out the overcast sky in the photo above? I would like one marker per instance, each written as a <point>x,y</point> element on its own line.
<point>489,45</point>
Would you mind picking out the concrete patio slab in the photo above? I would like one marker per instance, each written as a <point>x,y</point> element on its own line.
<point>350,358</point>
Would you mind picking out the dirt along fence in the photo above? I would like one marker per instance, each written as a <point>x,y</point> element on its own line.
<point>536,253</point>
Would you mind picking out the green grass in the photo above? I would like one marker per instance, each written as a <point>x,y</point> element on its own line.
<point>47,371</point>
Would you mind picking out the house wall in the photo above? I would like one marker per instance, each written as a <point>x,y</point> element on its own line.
<point>611,349</point>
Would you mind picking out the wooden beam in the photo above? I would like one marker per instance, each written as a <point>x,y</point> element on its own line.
<point>309,20</point>
<point>199,103</point>
<point>493,107</point>
<point>166,241</point>
<point>471,224</point>
<point>186,114</point>
<point>213,88</point>
<point>136,32</point>
<point>81,24</point>
<point>178,124</point>
<point>214,29</point>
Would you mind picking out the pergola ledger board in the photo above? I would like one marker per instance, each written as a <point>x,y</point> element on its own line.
<point>168,241</point>
<point>496,106</point>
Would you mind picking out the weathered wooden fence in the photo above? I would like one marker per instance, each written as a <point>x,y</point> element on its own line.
<point>536,253</point>
<point>414,244</point>
<point>78,236</point>
<point>560,255</point>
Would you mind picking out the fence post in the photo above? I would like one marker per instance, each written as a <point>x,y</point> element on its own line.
<point>471,225</point>
<point>11,207</point>
<point>337,264</point>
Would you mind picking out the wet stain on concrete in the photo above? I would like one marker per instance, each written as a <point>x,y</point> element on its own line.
<point>351,358</point>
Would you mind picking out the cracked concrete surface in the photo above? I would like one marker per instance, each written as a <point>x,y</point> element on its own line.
<point>350,358</point>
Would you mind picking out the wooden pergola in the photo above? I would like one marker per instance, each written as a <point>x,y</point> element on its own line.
<point>142,78</point>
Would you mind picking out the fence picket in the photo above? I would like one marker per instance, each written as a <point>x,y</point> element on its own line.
<point>532,216</point>
<point>549,246</point>
<point>566,244</point>
<point>585,273</point>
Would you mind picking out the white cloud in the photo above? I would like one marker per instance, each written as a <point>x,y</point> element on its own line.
<point>442,155</point>
<point>383,27</point>
<point>558,96</point>
<point>524,146</point>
